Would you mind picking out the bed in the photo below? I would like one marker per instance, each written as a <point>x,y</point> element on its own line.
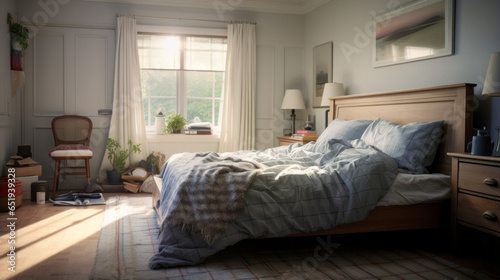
<point>450,105</point>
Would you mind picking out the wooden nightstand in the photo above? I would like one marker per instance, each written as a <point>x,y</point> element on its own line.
<point>287,140</point>
<point>475,193</point>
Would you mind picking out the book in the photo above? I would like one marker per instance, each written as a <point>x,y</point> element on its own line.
<point>307,132</point>
<point>198,132</point>
<point>131,187</point>
<point>310,137</point>
<point>199,129</point>
<point>19,161</point>
<point>197,125</point>
<point>78,199</point>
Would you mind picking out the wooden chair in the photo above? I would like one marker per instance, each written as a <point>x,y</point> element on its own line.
<point>72,142</point>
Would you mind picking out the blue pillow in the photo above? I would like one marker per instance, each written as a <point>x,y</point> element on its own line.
<point>412,146</point>
<point>344,130</point>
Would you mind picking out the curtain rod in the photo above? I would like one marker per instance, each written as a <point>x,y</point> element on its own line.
<point>187,19</point>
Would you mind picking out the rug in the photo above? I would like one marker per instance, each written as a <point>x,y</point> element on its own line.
<point>129,238</point>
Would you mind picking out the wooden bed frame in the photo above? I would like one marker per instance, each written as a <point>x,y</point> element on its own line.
<point>451,103</point>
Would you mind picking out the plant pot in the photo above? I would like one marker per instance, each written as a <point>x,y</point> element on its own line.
<point>16,56</point>
<point>114,178</point>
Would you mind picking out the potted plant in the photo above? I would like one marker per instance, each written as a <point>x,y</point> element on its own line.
<point>118,157</point>
<point>152,160</point>
<point>155,160</point>
<point>19,35</point>
<point>175,123</point>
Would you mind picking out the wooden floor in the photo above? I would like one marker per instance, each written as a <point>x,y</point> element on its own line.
<point>52,242</point>
<point>59,242</point>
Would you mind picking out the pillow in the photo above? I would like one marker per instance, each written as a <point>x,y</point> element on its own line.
<point>412,146</point>
<point>344,130</point>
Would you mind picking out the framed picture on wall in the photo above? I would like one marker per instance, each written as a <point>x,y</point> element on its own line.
<point>322,70</point>
<point>419,30</point>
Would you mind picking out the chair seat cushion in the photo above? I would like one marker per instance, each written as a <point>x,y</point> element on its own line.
<point>71,151</point>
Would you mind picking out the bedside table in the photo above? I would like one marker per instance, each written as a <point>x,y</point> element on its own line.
<point>287,140</point>
<point>475,195</point>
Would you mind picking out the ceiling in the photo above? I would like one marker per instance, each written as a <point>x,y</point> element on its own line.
<point>268,6</point>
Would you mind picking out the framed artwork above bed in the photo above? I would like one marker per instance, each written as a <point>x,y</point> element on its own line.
<point>419,30</point>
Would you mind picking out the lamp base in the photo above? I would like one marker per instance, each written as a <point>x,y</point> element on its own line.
<point>326,118</point>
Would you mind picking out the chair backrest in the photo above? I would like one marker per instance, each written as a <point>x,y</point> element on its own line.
<point>71,129</point>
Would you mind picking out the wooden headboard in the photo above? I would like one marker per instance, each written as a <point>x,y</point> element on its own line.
<point>451,103</point>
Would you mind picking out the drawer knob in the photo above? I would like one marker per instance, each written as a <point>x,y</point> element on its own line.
<point>490,182</point>
<point>490,216</point>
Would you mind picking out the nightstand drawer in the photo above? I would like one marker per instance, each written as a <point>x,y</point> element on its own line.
<point>479,178</point>
<point>472,209</point>
<point>285,142</point>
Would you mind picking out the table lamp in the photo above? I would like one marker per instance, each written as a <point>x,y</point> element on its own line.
<point>492,88</point>
<point>293,100</point>
<point>330,90</point>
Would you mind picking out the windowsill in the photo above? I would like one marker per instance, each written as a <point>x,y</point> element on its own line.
<point>182,138</point>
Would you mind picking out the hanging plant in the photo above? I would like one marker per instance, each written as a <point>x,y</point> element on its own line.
<point>19,33</point>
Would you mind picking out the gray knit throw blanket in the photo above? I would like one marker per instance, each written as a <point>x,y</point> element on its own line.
<point>205,192</point>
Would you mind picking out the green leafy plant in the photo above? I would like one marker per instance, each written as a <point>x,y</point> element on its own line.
<point>175,123</point>
<point>19,33</point>
<point>151,159</point>
<point>118,156</point>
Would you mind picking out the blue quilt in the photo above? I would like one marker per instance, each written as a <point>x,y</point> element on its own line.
<point>293,189</point>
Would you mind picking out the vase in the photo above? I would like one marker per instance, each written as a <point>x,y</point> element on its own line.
<point>160,123</point>
<point>114,178</point>
<point>309,126</point>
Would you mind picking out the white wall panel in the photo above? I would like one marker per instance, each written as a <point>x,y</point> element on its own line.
<point>4,89</point>
<point>293,79</point>
<point>265,108</point>
<point>9,108</point>
<point>91,71</point>
<point>6,140</point>
<point>69,71</point>
<point>170,144</point>
<point>265,82</point>
<point>294,68</point>
<point>49,74</point>
<point>40,149</point>
<point>264,138</point>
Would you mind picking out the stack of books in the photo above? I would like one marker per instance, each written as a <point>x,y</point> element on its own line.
<point>201,128</point>
<point>310,135</point>
<point>20,161</point>
<point>24,166</point>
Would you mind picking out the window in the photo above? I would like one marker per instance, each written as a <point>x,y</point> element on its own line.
<point>182,74</point>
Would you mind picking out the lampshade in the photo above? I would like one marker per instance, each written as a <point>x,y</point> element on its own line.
<point>492,84</point>
<point>331,90</point>
<point>293,100</point>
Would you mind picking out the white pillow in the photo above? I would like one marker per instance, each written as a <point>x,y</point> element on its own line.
<point>412,146</point>
<point>344,130</point>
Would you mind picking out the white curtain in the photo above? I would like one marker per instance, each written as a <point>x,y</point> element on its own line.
<point>238,122</point>
<point>127,120</point>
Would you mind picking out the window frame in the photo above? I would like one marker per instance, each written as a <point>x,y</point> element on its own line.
<point>181,92</point>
